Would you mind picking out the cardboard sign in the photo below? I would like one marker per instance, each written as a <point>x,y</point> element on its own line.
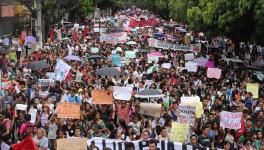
<point>102,96</point>
<point>189,56</point>
<point>214,73</point>
<point>254,89</point>
<point>72,143</point>
<point>230,120</point>
<point>191,66</point>
<point>187,114</point>
<point>122,93</point>
<point>179,132</point>
<point>68,110</point>
<point>45,82</point>
<point>150,109</point>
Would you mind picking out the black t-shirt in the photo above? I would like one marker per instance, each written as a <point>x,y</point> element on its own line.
<point>204,141</point>
<point>70,131</point>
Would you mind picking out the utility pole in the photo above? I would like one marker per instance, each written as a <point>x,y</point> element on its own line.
<point>39,25</point>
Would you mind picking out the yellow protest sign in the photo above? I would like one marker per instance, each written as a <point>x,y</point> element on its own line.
<point>254,89</point>
<point>179,132</point>
<point>72,143</point>
<point>198,107</point>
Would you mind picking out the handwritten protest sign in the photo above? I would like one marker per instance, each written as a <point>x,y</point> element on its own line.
<point>150,109</point>
<point>130,54</point>
<point>191,66</point>
<point>254,89</point>
<point>79,76</point>
<point>68,110</point>
<point>188,56</point>
<point>102,96</point>
<point>193,101</point>
<point>214,73</point>
<point>201,61</point>
<point>116,60</point>
<point>209,64</point>
<point>21,107</point>
<point>45,82</point>
<point>179,132</point>
<point>187,114</point>
<point>231,120</point>
<point>72,143</point>
<point>122,93</point>
<point>61,70</point>
<point>114,38</point>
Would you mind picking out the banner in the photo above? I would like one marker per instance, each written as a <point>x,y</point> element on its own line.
<point>187,114</point>
<point>150,109</point>
<point>68,110</point>
<point>45,82</point>
<point>143,23</point>
<point>165,45</point>
<point>214,73</point>
<point>72,143</point>
<point>191,66</point>
<point>179,132</point>
<point>254,89</point>
<point>102,143</point>
<point>116,60</point>
<point>61,70</point>
<point>102,96</point>
<point>114,38</point>
<point>231,120</point>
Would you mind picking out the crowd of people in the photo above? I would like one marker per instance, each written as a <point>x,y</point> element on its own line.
<point>122,120</point>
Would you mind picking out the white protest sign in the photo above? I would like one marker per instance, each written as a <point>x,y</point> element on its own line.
<point>33,114</point>
<point>122,93</point>
<point>21,107</point>
<point>50,75</point>
<point>187,114</point>
<point>166,65</point>
<point>231,120</point>
<point>150,109</point>
<point>214,73</point>
<point>191,66</point>
<point>45,82</point>
<point>189,56</point>
<point>61,70</point>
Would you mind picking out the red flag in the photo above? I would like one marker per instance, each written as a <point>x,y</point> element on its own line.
<point>26,144</point>
<point>52,34</point>
<point>241,131</point>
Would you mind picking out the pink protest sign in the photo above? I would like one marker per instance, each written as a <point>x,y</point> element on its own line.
<point>209,64</point>
<point>230,120</point>
<point>214,73</point>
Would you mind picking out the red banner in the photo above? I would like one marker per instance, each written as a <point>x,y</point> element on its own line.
<point>142,23</point>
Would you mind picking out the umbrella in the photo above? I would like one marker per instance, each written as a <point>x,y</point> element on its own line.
<point>30,39</point>
<point>36,65</point>
<point>3,50</point>
<point>73,57</point>
<point>131,43</point>
<point>94,57</point>
<point>156,54</point>
<point>108,71</point>
<point>149,93</point>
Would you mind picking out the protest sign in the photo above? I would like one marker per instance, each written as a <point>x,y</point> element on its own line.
<point>72,143</point>
<point>150,109</point>
<point>188,56</point>
<point>61,70</point>
<point>33,114</point>
<point>21,107</point>
<point>179,132</point>
<point>69,110</point>
<point>122,93</point>
<point>201,61</point>
<point>153,58</point>
<point>114,38</point>
<point>45,82</point>
<point>187,114</point>
<point>254,89</point>
<point>214,73</point>
<point>130,54</point>
<point>209,64</point>
<point>166,65</point>
<point>94,50</point>
<point>79,76</point>
<point>50,75</point>
<point>231,120</point>
<point>193,101</point>
<point>116,60</point>
<point>190,99</point>
<point>102,96</point>
<point>191,66</point>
